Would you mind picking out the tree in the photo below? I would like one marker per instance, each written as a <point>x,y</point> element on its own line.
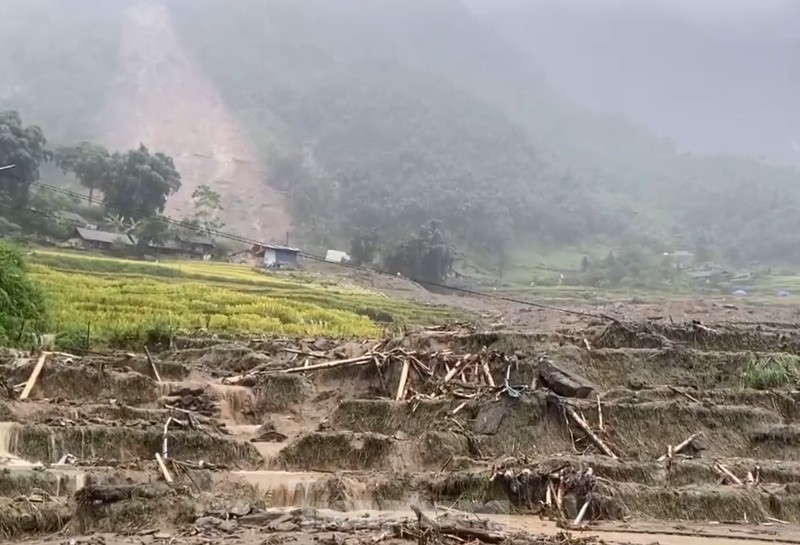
<point>425,257</point>
<point>90,163</point>
<point>207,207</point>
<point>363,247</point>
<point>151,230</point>
<point>21,302</point>
<point>23,147</point>
<point>140,182</point>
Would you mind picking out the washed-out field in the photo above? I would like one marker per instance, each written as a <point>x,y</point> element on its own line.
<point>630,431</point>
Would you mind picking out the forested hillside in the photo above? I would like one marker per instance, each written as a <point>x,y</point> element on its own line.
<point>374,118</point>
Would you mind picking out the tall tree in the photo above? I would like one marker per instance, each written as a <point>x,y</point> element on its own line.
<point>140,183</point>
<point>90,163</point>
<point>207,207</point>
<point>23,147</point>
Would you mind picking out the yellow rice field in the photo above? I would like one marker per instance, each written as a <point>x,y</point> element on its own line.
<point>125,302</point>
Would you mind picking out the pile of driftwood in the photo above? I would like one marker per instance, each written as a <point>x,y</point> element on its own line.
<point>567,494</point>
<point>433,375</point>
<point>422,374</point>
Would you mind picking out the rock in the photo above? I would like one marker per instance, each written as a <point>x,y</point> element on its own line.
<point>162,536</point>
<point>261,518</point>
<point>228,526</point>
<point>400,435</point>
<point>489,418</point>
<point>495,507</point>
<point>563,382</point>
<point>285,527</point>
<point>240,509</point>
<point>208,522</point>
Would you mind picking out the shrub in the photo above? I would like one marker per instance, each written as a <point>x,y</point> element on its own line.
<point>22,305</point>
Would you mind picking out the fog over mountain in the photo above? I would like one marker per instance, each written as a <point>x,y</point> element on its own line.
<point>516,127</point>
<point>715,75</point>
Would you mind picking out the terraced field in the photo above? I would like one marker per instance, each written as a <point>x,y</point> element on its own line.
<point>261,427</point>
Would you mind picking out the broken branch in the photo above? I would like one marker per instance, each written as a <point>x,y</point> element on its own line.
<point>585,427</point>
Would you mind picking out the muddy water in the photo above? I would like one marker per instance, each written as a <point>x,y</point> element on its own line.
<point>11,462</point>
<point>8,445</point>
<point>307,489</point>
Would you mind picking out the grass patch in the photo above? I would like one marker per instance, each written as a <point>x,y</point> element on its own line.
<point>765,372</point>
<point>101,300</point>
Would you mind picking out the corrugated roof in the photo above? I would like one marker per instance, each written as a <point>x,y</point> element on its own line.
<point>278,247</point>
<point>196,239</point>
<point>95,235</point>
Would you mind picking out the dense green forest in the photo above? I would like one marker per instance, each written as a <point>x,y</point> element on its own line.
<point>378,117</point>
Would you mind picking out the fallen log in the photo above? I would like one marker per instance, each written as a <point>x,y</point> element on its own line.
<point>112,494</point>
<point>360,360</point>
<point>585,427</point>
<point>563,382</point>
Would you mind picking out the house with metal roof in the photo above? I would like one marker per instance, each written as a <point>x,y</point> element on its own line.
<point>101,240</point>
<point>276,256</point>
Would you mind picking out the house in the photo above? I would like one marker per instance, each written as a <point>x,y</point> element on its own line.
<point>171,246</point>
<point>101,240</point>
<point>274,255</point>
<point>195,244</point>
<point>337,256</point>
<point>680,259</point>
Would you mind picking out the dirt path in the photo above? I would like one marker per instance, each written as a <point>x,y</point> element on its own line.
<point>161,98</point>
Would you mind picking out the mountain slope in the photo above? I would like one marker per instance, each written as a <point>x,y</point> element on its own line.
<point>158,96</point>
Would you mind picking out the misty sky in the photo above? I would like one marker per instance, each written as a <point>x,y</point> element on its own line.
<point>715,75</point>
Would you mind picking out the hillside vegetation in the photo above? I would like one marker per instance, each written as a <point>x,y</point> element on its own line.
<point>378,117</point>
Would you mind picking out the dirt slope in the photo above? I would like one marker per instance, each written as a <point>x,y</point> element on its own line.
<point>161,98</point>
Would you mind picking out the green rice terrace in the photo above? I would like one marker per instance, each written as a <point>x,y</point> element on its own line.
<point>124,302</point>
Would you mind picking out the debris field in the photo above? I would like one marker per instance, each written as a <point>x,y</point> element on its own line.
<point>604,426</point>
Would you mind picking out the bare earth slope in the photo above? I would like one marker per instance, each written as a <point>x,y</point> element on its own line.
<point>159,97</point>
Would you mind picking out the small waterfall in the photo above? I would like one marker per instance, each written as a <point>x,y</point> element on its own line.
<point>288,489</point>
<point>9,438</point>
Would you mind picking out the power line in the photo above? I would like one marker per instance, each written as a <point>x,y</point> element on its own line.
<point>236,238</point>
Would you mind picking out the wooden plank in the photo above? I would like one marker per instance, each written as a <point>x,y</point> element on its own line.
<point>401,388</point>
<point>34,377</point>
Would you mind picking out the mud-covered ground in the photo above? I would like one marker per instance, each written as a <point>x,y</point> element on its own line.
<point>260,449</point>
